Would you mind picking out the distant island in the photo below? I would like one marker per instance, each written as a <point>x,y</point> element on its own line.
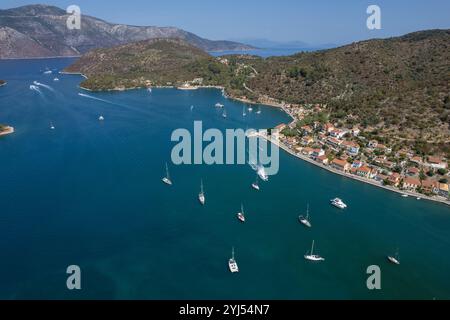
<point>36,31</point>
<point>377,109</point>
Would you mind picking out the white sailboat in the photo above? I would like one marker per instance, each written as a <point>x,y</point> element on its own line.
<point>259,111</point>
<point>394,259</point>
<point>250,109</point>
<point>255,184</point>
<point>101,118</point>
<point>219,105</point>
<point>262,173</point>
<point>224,114</point>
<point>166,179</point>
<point>232,264</point>
<point>313,257</point>
<point>243,112</point>
<point>241,215</point>
<point>52,127</point>
<point>305,220</point>
<point>201,195</point>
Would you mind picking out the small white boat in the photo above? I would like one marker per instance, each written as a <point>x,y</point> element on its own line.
<point>255,184</point>
<point>338,203</point>
<point>394,259</point>
<point>101,118</point>
<point>259,111</point>
<point>305,220</point>
<point>224,114</point>
<point>55,79</point>
<point>405,196</point>
<point>241,215</point>
<point>243,112</point>
<point>418,198</point>
<point>262,173</point>
<point>166,179</point>
<point>192,108</point>
<point>313,257</point>
<point>250,109</point>
<point>232,264</point>
<point>149,90</point>
<point>219,105</point>
<point>201,195</point>
<point>48,72</point>
<point>52,127</point>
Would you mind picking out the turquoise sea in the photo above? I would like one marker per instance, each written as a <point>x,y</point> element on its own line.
<point>89,193</point>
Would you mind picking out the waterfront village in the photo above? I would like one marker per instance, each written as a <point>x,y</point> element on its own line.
<point>348,152</point>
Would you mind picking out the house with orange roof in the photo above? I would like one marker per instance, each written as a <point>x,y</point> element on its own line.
<point>410,183</point>
<point>341,165</point>
<point>322,159</point>
<point>364,172</point>
<point>430,186</point>
<point>351,147</point>
<point>437,162</point>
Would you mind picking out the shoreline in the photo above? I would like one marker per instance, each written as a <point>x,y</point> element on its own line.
<point>276,104</point>
<point>354,177</point>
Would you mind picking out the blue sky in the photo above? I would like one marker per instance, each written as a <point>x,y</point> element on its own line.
<point>313,21</point>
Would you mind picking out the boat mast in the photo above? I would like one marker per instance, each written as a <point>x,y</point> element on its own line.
<point>167,171</point>
<point>232,253</point>
<point>312,248</point>
<point>201,186</point>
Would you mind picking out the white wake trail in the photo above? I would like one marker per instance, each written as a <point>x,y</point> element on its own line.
<point>36,88</point>
<point>44,86</point>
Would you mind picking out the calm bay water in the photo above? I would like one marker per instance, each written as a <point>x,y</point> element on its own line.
<point>89,193</point>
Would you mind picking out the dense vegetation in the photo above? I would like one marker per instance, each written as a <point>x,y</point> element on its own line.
<point>398,87</point>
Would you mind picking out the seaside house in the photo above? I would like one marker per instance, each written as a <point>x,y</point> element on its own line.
<point>357,164</point>
<point>335,143</point>
<point>394,178</point>
<point>411,184</point>
<point>328,127</point>
<point>307,151</point>
<point>443,190</point>
<point>307,140</point>
<point>322,159</point>
<point>430,186</point>
<point>351,147</point>
<point>372,144</point>
<point>317,153</point>
<point>416,159</point>
<point>338,133</point>
<point>356,131</point>
<point>340,165</point>
<point>437,162</point>
<point>412,171</point>
<point>364,172</point>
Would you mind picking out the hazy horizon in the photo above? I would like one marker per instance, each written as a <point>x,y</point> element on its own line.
<point>314,24</point>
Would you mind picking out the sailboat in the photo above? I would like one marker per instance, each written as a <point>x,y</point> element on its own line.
<point>394,259</point>
<point>201,195</point>
<point>241,215</point>
<point>52,127</point>
<point>224,114</point>
<point>219,105</point>
<point>243,112</point>
<point>259,111</point>
<point>101,118</point>
<point>305,220</point>
<point>166,179</point>
<point>255,184</point>
<point>250,109</point>
<point>262,173</point>
<point>312,256</point>
<point>232,263</point>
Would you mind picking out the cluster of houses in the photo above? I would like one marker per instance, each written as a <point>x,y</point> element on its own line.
<point>343,150</point>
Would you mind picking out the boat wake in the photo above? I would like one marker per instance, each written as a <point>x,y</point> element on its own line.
<point>36,88</point>
<point>95,98</point>
<point>43,86</point>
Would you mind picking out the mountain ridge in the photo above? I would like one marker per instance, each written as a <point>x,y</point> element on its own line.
<point>36,31</point>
